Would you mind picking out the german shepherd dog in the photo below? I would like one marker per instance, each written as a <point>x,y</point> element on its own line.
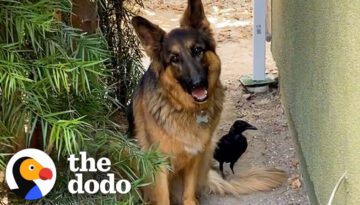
<point>177,107</point>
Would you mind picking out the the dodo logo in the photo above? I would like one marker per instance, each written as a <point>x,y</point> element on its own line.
<point>30,174</point>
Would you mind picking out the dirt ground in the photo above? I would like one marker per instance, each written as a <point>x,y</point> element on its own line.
<point>271,145</point>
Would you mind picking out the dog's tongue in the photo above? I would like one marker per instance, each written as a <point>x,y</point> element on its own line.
<point>199,93</point>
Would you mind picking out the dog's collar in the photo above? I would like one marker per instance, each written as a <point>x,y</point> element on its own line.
<point>202,117</point>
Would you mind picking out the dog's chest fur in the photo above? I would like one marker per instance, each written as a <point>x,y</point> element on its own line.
<point>193,129</point>
<point>179,126</point>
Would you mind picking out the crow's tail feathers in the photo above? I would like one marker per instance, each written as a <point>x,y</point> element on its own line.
<point>252,181</point>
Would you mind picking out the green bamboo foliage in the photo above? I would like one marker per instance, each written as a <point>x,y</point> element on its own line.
<point>126,65</point>
<point>44,66</point>
<point>55,79</point>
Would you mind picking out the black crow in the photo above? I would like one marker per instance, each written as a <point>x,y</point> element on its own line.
<point>232,145</point>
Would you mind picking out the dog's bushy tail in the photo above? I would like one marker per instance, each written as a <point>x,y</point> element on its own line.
<point>252,181</point>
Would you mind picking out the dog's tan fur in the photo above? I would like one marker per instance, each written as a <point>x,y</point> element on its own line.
<point>165,115</point>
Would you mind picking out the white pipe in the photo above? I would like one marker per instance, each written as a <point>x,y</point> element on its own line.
<point>259,33</point>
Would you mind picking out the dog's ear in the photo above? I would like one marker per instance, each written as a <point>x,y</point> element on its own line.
<point>150,35</point>
<point>194,16</point>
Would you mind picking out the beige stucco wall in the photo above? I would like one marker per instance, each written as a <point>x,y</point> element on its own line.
<point>316,45</point>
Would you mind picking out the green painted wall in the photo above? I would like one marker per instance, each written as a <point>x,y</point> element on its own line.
<point>316,45</point>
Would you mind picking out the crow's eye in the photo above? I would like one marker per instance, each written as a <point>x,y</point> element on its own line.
<point>198,51</point>
<point>174,58</point>
<point>31,167</point>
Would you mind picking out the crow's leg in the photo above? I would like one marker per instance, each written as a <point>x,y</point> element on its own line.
<point>232,167</point>
<point>222,169</point>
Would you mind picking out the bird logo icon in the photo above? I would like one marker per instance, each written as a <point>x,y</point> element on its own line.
<point>30,174</point>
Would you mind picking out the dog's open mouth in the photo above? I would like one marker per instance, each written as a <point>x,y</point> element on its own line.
<point>199,94</point>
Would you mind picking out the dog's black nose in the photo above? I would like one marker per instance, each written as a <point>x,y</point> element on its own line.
<point>198,82</point>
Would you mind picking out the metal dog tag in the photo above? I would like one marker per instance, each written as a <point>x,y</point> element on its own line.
<point>203,117</point>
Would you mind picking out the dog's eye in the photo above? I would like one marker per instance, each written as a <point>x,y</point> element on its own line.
<point>174,58</point>
<point>198,51</point>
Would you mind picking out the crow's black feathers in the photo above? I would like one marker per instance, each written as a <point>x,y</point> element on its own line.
<point>232,145</point>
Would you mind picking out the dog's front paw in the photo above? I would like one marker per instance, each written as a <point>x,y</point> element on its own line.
<point>191,202</point>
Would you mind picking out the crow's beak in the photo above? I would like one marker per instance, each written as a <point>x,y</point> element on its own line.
<point>250,127</point>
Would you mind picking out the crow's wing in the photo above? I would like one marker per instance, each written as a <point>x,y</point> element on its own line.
<point>221,151</point>
<point>238,147</point>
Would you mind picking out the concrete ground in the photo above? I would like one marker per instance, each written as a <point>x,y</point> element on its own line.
<point>269,146</point>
